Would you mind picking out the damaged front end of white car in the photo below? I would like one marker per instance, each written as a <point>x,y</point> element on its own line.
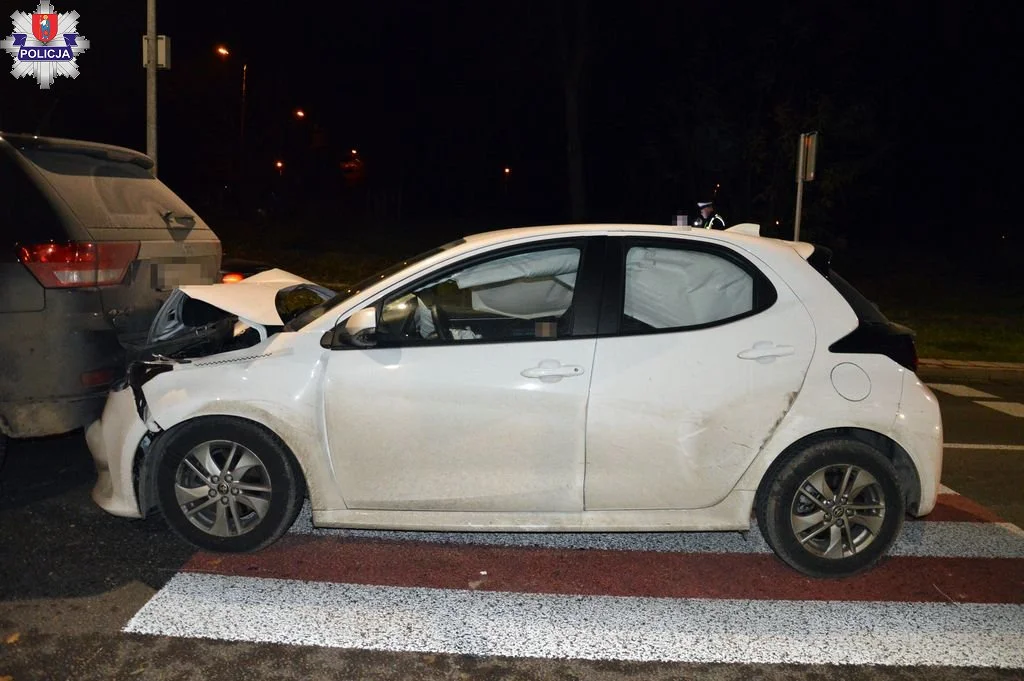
<point>198,321</point>
<point>194,324</point>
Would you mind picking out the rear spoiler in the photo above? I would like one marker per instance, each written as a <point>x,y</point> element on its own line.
<point>748,228</point>
<point>104,152</point>
<point>819,257</point>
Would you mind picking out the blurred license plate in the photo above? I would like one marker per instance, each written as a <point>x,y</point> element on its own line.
<point>169,276</point>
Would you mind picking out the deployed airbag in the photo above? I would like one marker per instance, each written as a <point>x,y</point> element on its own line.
<point>669,288</point>
<point>527,286</point>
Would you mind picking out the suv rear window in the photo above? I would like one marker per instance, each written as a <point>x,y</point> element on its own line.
<point>106,192</point>
<point>25,215</point>
<point>864,308</point>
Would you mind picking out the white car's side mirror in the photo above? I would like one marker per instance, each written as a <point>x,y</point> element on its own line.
<point>359,330</point>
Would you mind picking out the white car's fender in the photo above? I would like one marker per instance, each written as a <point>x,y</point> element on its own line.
<point>250,384</point>
<point>820,407</point>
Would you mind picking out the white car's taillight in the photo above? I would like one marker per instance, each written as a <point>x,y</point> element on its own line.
<point>79,263</point>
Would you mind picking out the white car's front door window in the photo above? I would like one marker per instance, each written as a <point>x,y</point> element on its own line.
<point>525,295</point>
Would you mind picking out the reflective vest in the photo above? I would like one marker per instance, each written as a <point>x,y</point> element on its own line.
<point>713,222</point>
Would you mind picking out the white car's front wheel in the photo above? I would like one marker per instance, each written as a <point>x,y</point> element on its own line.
<point>227,484</point>
<point>833,509</point>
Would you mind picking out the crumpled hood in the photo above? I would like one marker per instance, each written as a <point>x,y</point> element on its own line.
<point>202,320</point>
<point>253,299</point>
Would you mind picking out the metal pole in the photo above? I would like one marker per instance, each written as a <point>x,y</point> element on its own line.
<point>151,81</point>
<point>801,159</point>
<point>241,118</point>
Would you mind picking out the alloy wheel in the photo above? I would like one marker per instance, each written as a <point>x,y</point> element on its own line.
<point>223,488</point>
<point>838,511</point>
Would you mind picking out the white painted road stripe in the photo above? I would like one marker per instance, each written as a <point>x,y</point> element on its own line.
<point>959,390</point>
<point>592,627</point>
<point>1011,408</point>
<point>947,539</point>
<point>997,448</point>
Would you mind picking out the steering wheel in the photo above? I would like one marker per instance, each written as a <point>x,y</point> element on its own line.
<point>441,322</point>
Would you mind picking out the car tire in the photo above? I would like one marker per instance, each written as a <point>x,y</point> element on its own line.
<point>227,484</point>
<point>3,450</point>
<point>822,528</point>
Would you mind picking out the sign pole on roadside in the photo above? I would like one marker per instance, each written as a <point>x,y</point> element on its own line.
<point>151,81</point>
<point>156,54</point>
<point>807,152</point>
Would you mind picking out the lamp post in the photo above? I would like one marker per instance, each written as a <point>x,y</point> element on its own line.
<point>224,54</point>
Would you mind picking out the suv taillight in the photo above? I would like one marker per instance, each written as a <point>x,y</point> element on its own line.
<point>79,263</point>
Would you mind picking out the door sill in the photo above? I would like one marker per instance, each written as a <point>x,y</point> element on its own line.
<point>731,514</point>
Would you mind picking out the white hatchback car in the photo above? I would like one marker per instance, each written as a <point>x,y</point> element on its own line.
<point>566,378</point>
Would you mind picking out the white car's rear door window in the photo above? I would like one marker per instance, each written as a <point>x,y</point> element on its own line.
<point>669,288</point>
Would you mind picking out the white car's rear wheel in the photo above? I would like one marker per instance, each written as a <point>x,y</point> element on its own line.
<point>833,509</point>
<point>227,484</point>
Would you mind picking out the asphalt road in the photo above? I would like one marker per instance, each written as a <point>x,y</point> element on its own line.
<point>72,577</point>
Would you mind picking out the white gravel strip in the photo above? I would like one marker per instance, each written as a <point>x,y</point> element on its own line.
<point>960,390</point>
<point>952,539</point>
<point>583,627</point>
<point>1010,408</point>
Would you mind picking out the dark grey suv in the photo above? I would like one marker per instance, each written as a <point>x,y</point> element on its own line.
<point>93,245</point>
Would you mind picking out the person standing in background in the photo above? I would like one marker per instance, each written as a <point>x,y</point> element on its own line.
<point>709,218</point>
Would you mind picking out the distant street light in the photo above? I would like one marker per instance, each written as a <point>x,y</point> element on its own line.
<point>507,171</point>
<point>223,51</point>
<point>354,152</point>
<point>299,113</point>
<point>280,167</point>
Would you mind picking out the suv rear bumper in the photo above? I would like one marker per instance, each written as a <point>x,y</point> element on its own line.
<point>49,416</point>
<point>57,364</point>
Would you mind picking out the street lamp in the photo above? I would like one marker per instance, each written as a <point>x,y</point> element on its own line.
<point>299,113</point>
<point>224,53</point>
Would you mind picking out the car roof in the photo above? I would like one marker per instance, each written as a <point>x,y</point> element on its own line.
<point>743,236</point>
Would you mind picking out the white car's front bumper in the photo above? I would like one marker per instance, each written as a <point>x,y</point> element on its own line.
<point>114,441</point>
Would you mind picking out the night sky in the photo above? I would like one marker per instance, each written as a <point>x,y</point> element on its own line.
<point>917,105</point>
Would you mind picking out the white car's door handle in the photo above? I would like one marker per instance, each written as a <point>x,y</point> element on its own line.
<point>551,370</point>
<point>766,351</point>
